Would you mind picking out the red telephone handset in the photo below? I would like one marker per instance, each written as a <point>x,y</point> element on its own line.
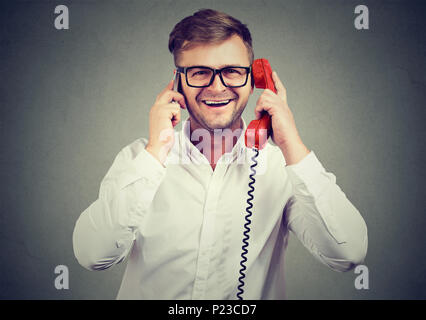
<point>258,131</point>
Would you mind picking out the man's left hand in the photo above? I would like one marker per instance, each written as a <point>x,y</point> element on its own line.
<point>284,131</point>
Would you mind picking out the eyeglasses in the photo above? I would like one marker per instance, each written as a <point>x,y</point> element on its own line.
<point>201,77</point>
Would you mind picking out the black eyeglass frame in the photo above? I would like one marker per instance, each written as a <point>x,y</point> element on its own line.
<point>184,70</point>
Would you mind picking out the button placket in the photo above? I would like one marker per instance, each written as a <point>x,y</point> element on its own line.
<point>207,234</point>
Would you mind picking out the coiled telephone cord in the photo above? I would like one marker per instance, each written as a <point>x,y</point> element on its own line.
<point>247,224</point>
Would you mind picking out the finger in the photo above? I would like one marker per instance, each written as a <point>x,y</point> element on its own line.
<point>269,93</point>
<point>166,89</point>
<point>180,99</point>
<point>267,102</point>
<point>258,113</point>
<point>170,85</point>
<point>172,96</point>
<point>281,90</point>
<point>175,117</point>
<point>267,98</point>
<point>261,108</point>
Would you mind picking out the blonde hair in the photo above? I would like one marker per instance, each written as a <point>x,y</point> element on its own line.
<point>207,26</point>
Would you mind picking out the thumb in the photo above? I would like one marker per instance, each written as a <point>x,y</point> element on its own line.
<point>281,90</point>
<point>170,85</point>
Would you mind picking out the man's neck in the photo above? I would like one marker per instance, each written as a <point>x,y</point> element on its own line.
<point>213,144</point>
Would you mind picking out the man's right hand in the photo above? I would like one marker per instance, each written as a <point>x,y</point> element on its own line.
<point>163,117</point>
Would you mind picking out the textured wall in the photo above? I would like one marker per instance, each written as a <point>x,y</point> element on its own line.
<point>71,99</point>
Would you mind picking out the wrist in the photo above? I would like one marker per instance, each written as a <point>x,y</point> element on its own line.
<point>294,151</point>
<point>157,152</point>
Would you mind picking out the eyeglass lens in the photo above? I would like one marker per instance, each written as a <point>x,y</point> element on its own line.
<point>233,76</point>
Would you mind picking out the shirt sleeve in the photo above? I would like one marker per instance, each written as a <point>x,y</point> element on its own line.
<point>322,217</point>
<point>105,231</point>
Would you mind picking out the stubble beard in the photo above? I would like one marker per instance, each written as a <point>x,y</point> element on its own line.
<point>228,123</point>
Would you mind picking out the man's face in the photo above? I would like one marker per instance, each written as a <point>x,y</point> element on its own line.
<point>231,52</point>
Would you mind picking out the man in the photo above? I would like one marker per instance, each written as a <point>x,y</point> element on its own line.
<point>175,204</point>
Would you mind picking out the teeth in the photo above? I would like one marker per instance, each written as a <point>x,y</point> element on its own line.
<point>216,102</point>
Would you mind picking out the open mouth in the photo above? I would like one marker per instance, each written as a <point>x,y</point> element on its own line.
<point>217,103</point>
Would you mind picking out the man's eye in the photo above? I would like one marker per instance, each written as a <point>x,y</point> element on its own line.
<point>199,73</point>
<point>232,71</point>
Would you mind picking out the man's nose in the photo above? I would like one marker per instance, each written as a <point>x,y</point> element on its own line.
<point>217,84</point>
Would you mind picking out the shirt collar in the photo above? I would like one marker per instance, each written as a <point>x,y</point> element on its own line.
<point>190,150</point>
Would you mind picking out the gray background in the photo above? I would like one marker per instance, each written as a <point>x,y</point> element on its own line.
<point>70,100</point>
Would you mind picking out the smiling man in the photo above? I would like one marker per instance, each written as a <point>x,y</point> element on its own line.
<point>181,223</point>
<point>216,106</point>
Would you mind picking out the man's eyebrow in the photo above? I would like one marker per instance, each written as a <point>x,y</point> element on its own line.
<point>221,66</point>
<point>231,65</point>
<point>227,65</point>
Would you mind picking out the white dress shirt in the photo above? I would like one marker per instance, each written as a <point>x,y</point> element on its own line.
<point>181,224</point>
